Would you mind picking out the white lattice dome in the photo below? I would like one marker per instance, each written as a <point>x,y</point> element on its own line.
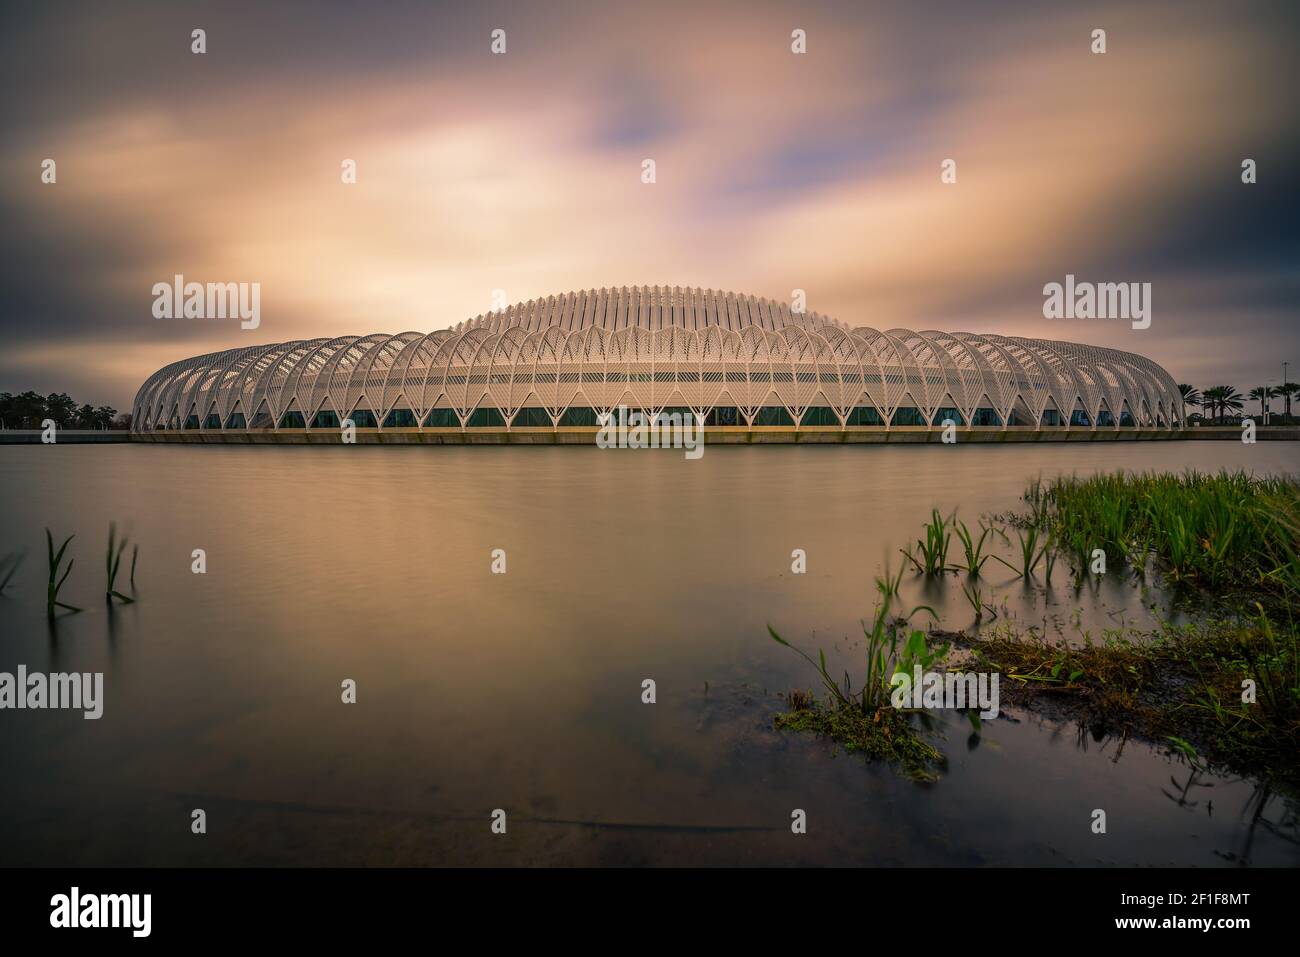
<point>738,360</point>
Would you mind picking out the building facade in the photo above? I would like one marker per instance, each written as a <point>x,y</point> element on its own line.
<point>738,361</point>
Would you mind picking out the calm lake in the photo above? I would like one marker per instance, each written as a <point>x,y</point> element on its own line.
<point>522,691</point>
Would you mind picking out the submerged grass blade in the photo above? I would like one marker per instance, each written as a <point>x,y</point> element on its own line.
<point>12,563</point>
<point>113,562</point>
<point>55,584</point>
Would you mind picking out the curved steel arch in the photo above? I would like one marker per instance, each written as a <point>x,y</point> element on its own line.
<point>656,346</point>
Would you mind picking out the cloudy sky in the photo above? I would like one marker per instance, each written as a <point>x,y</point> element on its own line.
<point>522,171</point>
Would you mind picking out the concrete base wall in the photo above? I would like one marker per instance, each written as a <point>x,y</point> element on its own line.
<point>712,436</point>
<point>67,436</point>
<point>815,435</point>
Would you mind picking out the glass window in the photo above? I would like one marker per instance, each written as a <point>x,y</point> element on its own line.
<point>486,417</point>
<point>677,410</point>
<point>532,417</point>
<point>819,415</point>
<point>865,415</point>
<point>400,419</point>
<point>442,419</point>
<point>772,415</point>
<point>907,415</point>
<point>325,419</point>
<point>578,416</point>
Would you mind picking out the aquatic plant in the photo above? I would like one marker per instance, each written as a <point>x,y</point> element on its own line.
<point>112,561</point>
<point>1224,691</point>
<point>885,734</point>
<point>8,565</point>
<point>1229,688</point>
<point>1049,559</point>
<point>1031,551</point>
<point>1188,751</point>
<point>934,547</point>
<point>864,720</point>
<point>973,547</point>
<point>1229,532</point>
<point>882,642</point>
<point>888,585</point>
<point>56,581</point>
<point>975,595</point>
<point>1273,663</point>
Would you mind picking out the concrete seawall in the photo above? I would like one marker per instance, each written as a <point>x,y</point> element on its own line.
<point>66,436</point>
<point>809,435</point>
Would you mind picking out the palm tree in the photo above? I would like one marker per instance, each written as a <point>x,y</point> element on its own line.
<point>1286,390</point>
<point>1190,394</point>
<point>1261,394</point>
<point>1231,400</point>
<point>1210,398</point>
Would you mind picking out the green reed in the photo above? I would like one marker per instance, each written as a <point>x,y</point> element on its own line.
<point>933,548</point>
<point>1226,532</point>
<point>882,651</point>
<point>973,547</point>
<point>1033,547</point>
<point>56,581</point>
<point>112,562</point>
<point>974,595</point>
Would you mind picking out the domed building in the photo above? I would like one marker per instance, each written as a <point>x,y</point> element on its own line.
<point>742,363</point>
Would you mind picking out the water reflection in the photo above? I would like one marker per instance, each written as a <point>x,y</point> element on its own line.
<point>522,691</point>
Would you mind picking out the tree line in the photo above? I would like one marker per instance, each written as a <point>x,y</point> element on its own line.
<point>1218,402</point>
<point>28,410</point>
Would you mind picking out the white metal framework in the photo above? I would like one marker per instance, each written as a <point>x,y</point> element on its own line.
<point>738,360</point>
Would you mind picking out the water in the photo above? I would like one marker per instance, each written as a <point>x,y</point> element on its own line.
<point>523,691</point>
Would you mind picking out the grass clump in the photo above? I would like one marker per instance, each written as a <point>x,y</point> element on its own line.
<point>933,549</point>
<point>1224,689</point>
<point>864,720</point>
<point>1231,533</point>
<point>1227,688</point>
<point>973,547</point>
<point>883,733</point>
<point>1035,547</point>
<point>1228,684</point>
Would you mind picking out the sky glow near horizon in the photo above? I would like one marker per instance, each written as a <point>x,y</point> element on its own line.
<point>521,172</point>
